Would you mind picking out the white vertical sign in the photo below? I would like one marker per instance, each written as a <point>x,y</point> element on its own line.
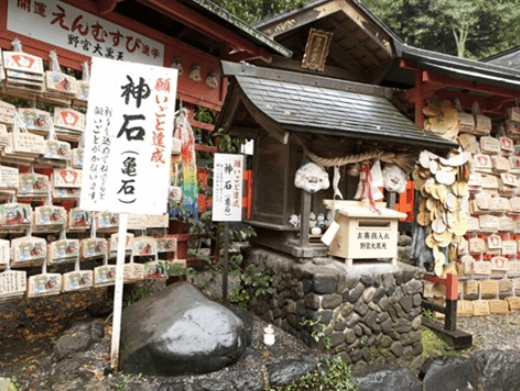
<point>227,187</point>
<point>128,138</point>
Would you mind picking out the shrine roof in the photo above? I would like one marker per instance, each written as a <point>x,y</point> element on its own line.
<point>306,103</point>
<point>509,58</point>
<point>492,71</point>
<point>233,23</point>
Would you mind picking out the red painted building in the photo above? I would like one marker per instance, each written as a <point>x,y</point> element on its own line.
<point>192,34</point>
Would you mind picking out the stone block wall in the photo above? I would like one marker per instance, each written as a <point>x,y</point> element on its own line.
<point>372,313</point>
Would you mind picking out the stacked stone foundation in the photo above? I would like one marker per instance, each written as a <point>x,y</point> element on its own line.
<point>371,313</point>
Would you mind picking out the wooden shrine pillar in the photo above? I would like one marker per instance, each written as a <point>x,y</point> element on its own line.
<point>304,220</point>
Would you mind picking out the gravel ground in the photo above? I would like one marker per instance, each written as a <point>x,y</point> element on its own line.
<point>494,331</point>
<point>28,328</point>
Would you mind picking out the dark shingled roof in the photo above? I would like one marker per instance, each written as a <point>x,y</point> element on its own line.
<point>321,105</point>
<point>509,59</point>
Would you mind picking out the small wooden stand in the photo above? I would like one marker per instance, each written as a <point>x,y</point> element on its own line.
<point>364,233</point>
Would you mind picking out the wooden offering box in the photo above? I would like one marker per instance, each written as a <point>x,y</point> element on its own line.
<point>363,233</point>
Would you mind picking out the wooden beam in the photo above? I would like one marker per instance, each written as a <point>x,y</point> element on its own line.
<point>368,27</point>
<point>407,64</point>
<point>419,99</point>
<point>323,10</point>
<point>243,56</point>
<point>192,19</point>
<point>348,36</point>
<point>447,81</point>
<point>293,22</point>
<point>491,104</point>
<point>339,55</point>
<point>107,6</point>
<point>227,116</point>
<point>271,126</point>
<point>202,125</point>
<point>427,91</point>
<point>205,148</point>
<point>242,131</point>
<point>295,65</point>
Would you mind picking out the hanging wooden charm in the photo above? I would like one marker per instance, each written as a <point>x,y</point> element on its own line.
<point>44,284</point>
<point>78,279</point>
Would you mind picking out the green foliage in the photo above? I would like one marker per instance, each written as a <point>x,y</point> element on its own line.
<point>251,11</point>
<point>253,282</point>
<point>227,143</point>
<point>177,270</point>
<point>259,281</point>
<point>437,344</point>
<point>337,376</point>
<point>136,295</point>
<point>121,384</point>
<point>467,28</point>
<point>239,297</point>
<point>318,335</point>
<point>428,314</point>
<point>15,384</point>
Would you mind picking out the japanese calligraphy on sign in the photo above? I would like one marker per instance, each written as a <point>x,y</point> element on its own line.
<point>317,49</point>
<point>227,187</point>
<point>70,28</point>
<point>373,240</point>
<point>129,121</point>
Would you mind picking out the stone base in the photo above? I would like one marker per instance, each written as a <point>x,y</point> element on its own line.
<point>371,312</point>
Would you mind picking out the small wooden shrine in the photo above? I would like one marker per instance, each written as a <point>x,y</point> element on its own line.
<point>335,123</point>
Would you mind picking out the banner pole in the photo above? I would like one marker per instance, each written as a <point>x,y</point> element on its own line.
<point>118,290</point>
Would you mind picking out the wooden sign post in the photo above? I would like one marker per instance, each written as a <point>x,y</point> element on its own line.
<point>227,199</point>
<point>127,151</point>
<point>118,291</point>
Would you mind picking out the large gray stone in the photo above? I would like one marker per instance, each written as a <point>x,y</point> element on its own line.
<point>388,380</point>
<point>178,331</point>
<point>499,370</point>
<point>449,373</point>
<point>285,372</point>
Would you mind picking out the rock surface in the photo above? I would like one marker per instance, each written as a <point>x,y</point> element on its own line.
<point>77,339</point>
<point>391,379</point>
<point>285,372</point>
<point>179,331</point>
<point>493,331</point>
<point>449,373</point>
<point>498,370</point>
<point>369,312</point>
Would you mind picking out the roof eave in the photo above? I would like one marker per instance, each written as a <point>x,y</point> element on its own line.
<point>440,144</point>
<point>252,34</point>
<point>459,67</point>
